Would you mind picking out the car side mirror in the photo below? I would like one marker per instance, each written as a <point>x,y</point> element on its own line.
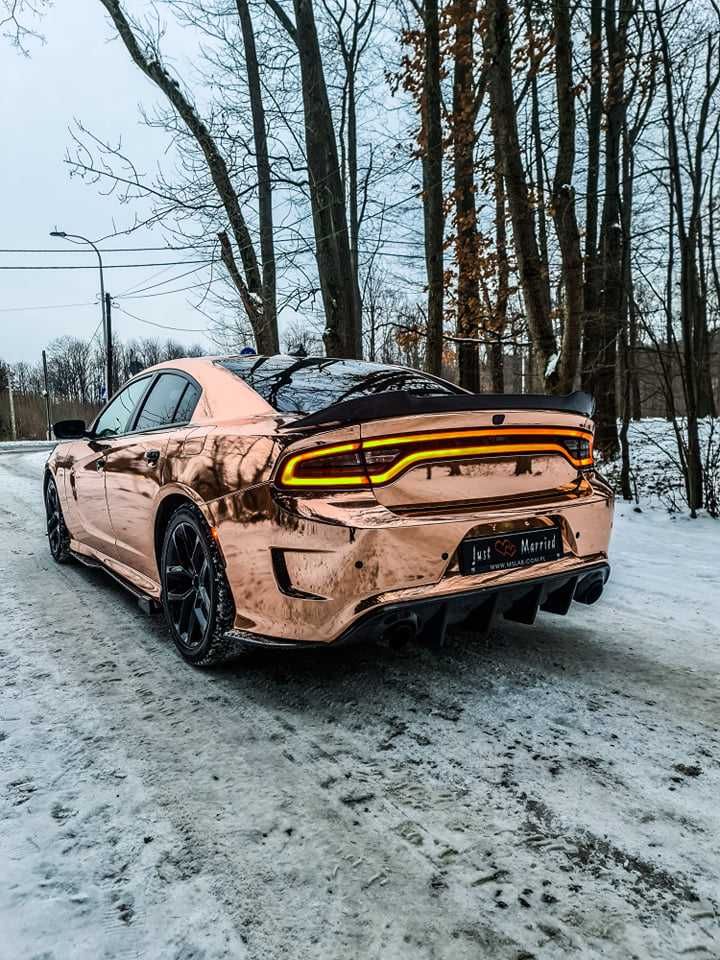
<point>70,429</point>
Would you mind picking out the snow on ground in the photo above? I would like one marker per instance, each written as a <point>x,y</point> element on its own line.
<point>553,790</point>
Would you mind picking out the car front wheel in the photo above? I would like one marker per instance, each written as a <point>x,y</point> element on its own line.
<point>196,596</point>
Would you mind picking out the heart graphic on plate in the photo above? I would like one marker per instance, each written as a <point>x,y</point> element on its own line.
<point>506,548</point>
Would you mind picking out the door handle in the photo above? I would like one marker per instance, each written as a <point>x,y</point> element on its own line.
<point>152,456</point>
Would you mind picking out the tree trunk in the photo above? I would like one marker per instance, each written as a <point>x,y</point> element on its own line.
<point>533,273</point>
<point>706,399</point>
<point>497,364</point>
<point>431,143</point>
<point>688,281</point>
<point>669,293</point>
<point>625,486</point>
<point>603,362</point>
<point>265,208</point>
<point>353,198</point>
<point>631,408</point>
<point>701,339</point>
<point>466,243</point>
<point>343,333</point>
<point>592,340</point>
<point>538,186</point>
<point>496,351</point>
<point>563,201</point>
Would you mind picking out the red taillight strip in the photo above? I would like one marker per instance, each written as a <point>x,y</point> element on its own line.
<point>288,477</point>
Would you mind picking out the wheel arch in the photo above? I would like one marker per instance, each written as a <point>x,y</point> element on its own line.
<point>50,474</point>
<point>167,506</point>
<point>175,497</point>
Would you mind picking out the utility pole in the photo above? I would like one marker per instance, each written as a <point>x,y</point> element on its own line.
<point>13,424</point>
<point>46,393</point>
<point>108,346</point>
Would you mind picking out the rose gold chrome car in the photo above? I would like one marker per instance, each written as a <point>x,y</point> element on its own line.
<point>287,501</point>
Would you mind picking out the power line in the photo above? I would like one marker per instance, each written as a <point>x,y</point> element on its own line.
<point>202,245</point>
<point>48,306</point>
<point>97,330</point>
<point>152,276</point>
<point>62,250</point>
<point>111,266</point>
<point>134,291</point>
<point>165,293</point>
<point>162,326</point>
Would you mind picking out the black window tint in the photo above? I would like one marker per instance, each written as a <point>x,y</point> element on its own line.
<point>161,403</point>
<point>114,418</point>
<point>188,402</point>
<point>306,385</point>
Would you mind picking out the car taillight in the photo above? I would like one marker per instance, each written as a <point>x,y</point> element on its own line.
<point>336,466</point>
<point>579,449</point>
<point>380,460</point>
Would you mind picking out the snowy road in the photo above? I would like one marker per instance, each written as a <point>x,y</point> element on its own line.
<point>555,789</point>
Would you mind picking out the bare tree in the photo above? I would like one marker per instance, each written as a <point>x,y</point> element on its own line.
<point>563,200</point>
<point>353,25</point>
<point>343,325</point>
<point>693,317</point>
<point>248,281</point>
<point>463,16</point>
<point>265,197</point>
<point>532,270</point>
<point>422,78</point>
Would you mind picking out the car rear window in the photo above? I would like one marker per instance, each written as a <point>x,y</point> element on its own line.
<point>309,384</point>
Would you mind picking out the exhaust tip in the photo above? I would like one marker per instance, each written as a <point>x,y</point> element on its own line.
<point>590,589</point>
<point>400,634</point>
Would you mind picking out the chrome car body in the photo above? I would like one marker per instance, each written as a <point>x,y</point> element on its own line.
<point>340,521</point>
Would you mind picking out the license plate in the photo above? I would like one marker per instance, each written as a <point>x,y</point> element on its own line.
<point>507,550</point>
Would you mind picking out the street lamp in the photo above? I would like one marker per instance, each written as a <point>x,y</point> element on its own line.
<point>106,339</point>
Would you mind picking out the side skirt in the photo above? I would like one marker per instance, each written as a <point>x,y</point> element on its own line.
<point>147,604</point>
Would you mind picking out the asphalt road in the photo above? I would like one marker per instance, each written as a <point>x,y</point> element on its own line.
<point>552,789</point>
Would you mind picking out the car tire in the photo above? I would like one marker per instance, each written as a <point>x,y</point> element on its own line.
<point>196,596</point>
<point>57,533</point>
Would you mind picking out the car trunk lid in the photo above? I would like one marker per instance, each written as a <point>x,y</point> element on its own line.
<point>442,461</point>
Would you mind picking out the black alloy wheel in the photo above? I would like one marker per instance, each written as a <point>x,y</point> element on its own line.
<point>58,536</point>
<point>196,596</point>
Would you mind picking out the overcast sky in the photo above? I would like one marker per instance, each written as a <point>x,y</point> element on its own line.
<point>80,72</point>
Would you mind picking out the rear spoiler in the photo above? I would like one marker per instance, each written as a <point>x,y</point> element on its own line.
<point>398,404</point>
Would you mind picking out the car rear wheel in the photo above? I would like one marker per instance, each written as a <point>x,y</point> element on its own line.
<point>196,597</point>
<point>57,532</point>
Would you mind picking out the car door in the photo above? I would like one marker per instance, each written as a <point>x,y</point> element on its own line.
<point>134,470</point>
<point>90,517</point>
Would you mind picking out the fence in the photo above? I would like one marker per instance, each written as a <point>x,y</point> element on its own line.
<point>30,415</point>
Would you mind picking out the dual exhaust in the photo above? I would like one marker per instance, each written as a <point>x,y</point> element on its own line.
<point>407,628</point>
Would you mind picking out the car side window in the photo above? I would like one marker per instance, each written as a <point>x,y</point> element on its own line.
<point>188,402</point>
<point>115,417</point>
<point>162,402</point>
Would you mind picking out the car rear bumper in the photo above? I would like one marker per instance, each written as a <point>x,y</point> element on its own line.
<point>312,571</point>
<point>427,618</point>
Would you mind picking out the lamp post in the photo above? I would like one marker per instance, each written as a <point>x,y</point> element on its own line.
<point>107,343</point>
